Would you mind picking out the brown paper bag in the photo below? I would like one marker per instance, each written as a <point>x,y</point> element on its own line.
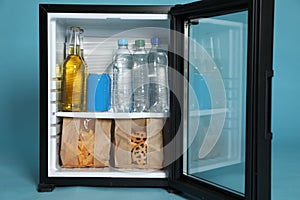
<point>85,142</point>
<point>138,143</point>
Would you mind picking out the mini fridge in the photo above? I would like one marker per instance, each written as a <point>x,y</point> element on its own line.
<point>215,140</point>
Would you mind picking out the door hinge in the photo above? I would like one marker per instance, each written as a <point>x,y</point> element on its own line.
<point>269,136</point>
<point>270,73</point>
<point>193,22</point>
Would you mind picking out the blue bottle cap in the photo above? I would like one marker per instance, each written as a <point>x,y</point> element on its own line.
<point>122,42</point>
<point>155,40</point>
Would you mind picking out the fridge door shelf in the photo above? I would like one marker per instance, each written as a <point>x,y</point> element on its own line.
<point>206,112</point>
<point>202,165</point>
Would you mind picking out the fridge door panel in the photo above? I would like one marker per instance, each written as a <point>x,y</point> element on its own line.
<point>219,134</point>
<point>217,82</point>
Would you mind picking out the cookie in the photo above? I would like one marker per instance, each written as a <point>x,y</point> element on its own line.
<point>133,145</point>
<point>139,154</point>
<point>138,137</point>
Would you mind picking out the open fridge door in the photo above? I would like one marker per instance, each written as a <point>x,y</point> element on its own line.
<point>217,47</point>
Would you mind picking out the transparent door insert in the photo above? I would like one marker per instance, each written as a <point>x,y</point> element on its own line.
<point>215,100</point>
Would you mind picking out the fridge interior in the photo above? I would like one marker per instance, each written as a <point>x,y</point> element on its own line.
<point>101,33</point>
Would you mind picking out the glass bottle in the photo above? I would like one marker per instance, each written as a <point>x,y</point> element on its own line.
<point>140,77</point>
<point>73,75</point>
<point>86,68</point>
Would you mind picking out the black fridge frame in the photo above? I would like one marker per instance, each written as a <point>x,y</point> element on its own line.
<point>258,105</point>
<point>47,183</point>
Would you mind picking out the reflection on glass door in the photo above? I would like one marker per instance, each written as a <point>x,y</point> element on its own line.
<point>216,100</point>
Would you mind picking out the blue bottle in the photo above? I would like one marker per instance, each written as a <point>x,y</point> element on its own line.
<point>98,93</point>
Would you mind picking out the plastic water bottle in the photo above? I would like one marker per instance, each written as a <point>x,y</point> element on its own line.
<point>140,77</point>
<point>122,77</point>
<point>158,75</point>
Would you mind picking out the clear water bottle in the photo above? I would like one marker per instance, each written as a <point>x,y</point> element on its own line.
<point>158,75</point>
<point>140,77</point>
<point>122,77</point>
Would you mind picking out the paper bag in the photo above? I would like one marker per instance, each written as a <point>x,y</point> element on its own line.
<point>138,143</point>
<point>85,142</point>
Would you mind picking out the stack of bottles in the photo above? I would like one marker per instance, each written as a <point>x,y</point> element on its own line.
<point>139,82</point>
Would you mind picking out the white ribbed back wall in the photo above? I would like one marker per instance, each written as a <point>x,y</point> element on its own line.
<point>99,51</point>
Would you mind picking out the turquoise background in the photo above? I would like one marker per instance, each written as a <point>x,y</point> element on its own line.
<point>19,116</point>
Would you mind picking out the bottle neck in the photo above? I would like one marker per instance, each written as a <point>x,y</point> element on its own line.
<point>81,44</point>
<point>140,48</point>
<point>154,46</point>
<point>82,53</point>
<point>74,48</point>
<point>123,46</point>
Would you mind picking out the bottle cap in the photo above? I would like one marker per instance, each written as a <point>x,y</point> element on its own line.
<point>155,40</point>
<point>140,43</point>
<point>75,28</point>
<point>122,42</point>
